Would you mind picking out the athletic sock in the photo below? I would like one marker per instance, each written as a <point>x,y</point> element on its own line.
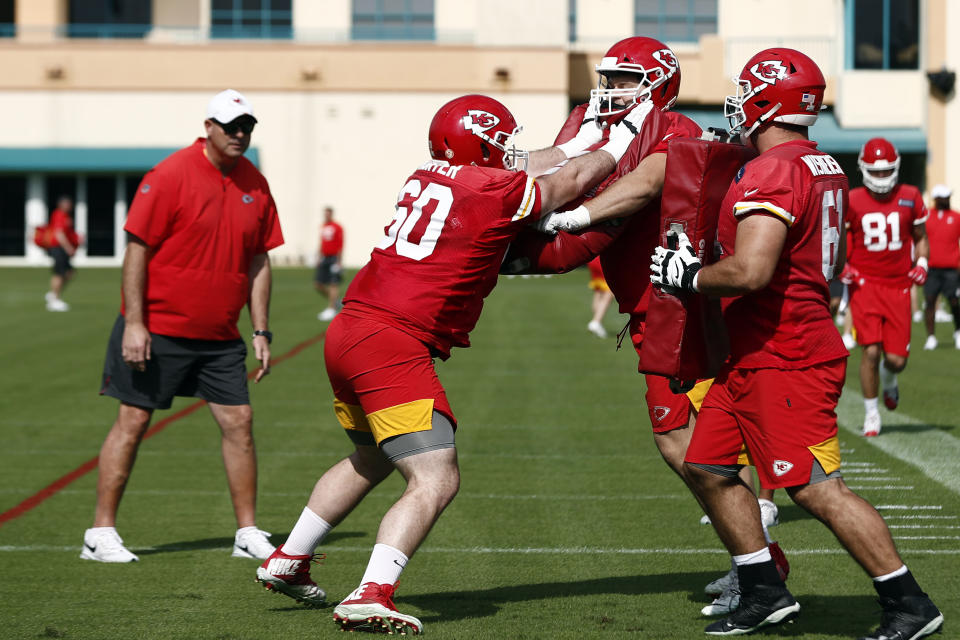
<point>385,566</point>
<point>309,531</point>
<point>897,584</point>
<point>888,379</point>
<point>870,404</point>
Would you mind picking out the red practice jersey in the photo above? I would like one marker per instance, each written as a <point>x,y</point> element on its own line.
<point>882,233</point>
<point>787,324</point>
<point>440,256</point>
<point>943,232</point>
<point>331,239</point>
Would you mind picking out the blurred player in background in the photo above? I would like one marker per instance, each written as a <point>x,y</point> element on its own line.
<point>64,242</point>
<point>620,223</point>
<point>600,300</point>
<point>781,233</point>
<point>888,254</point>
<point>329,271</point>
<point>943,233</point>
<point>420,295</point>
<point>198,231</point>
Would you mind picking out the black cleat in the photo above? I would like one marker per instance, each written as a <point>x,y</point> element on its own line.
<point>763,606</point>
<point>907,618</point>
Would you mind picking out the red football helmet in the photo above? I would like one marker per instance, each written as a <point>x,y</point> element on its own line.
<point>879,155</point>
<point>656,67</point>
<point>476,130</point>
<point>779,85</point>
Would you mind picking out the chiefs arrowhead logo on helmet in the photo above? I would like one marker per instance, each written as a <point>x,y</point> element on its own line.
<point>477,120</point>
<point>769,71</point>
<point>666,58</point>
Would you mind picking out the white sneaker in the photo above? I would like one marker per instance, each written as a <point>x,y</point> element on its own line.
<point>251,542</point>
<point>597,329</point>
<point>327,314</point>
<point>726,602</point>
<point>943,316</point>
<point>848,341</point>
<point>918,316</point>
<point>56,304</point>
<point>956,339</point>
<point>49,295</point>
<point>930,344</point>
<point>726,582</point>
<point>871,425</point>
<point>705,519</point>
<point>769,514</point>
<point>104,544</point>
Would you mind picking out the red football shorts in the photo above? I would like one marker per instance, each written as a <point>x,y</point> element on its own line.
<point>786,417</point>
<point>668,410</point>
<point>881,314</point>
<point>383,379</point>
<point>597,281</point>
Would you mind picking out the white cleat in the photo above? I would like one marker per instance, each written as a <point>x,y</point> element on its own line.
<point>250,542</point>
<point>705,519</point>
<point>327,315</point>
<point>103,544</point>
<point>943,316</point>
<point>956,339</point>
<point>848,341</point>
<point>726,602</point>
<point>769,513</point>
<point>597,329</point>
<point>871,425</point>
<point>931,343</point>
<point>918,316</point>
<point>724,583</point>
<point>56,304</point>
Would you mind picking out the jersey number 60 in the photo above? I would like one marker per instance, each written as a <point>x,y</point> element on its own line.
<point>406,219</point>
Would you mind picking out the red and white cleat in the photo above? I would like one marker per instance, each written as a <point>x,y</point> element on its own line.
<point>290,575</point>
<point>370,608</point>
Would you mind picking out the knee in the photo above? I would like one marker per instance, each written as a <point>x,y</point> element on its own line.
<point>894,363</point>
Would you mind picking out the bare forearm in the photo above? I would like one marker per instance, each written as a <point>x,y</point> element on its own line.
<point>260,284</point>
<point>630,193</point>
<point>543,160</point>
<point>575,178</point>
<point>134,280</point>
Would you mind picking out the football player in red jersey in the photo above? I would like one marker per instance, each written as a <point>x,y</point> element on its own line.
<point>420,295</point>
<point>635,70</point>
<point>888,254</point>
<point>781,231</point>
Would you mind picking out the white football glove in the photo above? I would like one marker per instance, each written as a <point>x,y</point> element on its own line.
<point>569,221</point>
<point>676,268</point>
<point>623,133</point>
<point>589,134</point>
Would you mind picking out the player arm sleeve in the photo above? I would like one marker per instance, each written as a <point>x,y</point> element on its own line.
<point>534,252</point>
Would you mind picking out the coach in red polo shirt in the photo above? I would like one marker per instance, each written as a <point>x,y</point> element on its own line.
<point>943,230</point>
<point>198,232</point>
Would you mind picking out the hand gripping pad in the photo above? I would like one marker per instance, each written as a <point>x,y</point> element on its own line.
<point>684,336</point>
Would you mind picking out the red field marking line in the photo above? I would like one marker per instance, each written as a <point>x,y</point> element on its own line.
<point>64,481</point>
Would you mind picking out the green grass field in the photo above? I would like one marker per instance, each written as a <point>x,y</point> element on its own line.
<point>568,524</point>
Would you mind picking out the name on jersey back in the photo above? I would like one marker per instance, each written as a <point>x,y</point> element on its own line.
<point>822,165</point>
<point>442,168</point>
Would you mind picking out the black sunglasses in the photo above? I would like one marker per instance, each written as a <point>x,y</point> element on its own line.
<point>240,124</point>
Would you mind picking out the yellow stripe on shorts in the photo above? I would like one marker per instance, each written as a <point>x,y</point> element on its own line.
<point>699,392</point>
<point>408,417</point>
<point>351,416</point>
<point>827,454</point>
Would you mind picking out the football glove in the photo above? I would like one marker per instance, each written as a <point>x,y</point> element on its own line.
<point>919,271</point>
<point>850,275</point>
<point>588,135</point>
<point>570,221</point>
<point>675,268</point>
<point>623,133</point>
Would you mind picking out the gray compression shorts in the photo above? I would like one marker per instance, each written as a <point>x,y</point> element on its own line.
<point>440,436</point>
<point>817,474</point>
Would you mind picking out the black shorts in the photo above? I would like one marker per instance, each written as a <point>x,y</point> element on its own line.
<point>328,271</point>
<point>942,281</point>
<point>836,288</point>
<point>214,370</point>
<point>61,260</point>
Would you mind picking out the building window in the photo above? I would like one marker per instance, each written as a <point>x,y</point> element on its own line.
<point>674,20</point>
<point>8,20</point>
<point>251,19</point>
<point>109,18</point>
<point>392,20</point>
<point>883,34</point>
